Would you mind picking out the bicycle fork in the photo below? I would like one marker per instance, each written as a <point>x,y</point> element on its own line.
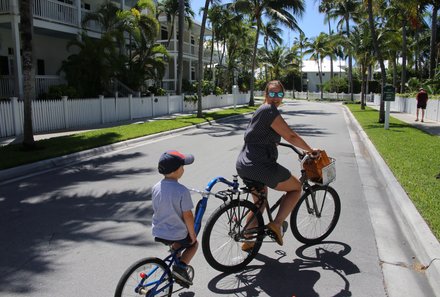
<point>315,209</point>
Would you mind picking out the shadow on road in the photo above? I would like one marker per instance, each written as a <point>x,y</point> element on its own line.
<point>296,278</point>
<point>39,219</point>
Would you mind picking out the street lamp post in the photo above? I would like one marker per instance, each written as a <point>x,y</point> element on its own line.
<point>307,89</point>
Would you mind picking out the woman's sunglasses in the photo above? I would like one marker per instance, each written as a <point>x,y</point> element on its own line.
<point>276,94</point>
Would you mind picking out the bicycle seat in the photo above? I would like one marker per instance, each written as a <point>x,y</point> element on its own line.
<point>253,184</point>
<point>164,241</point>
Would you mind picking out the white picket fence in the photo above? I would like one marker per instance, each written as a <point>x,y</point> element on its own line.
<point>65,114</point>
<point>409,105</point>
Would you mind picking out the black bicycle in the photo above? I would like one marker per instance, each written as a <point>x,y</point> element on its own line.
<point>228,228</point>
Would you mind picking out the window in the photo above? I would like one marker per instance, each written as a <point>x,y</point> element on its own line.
<point>192,40</point>
<point>40,67</point>
<point>85,6</point>
<point>163,33</point>
<point>193,73</point>
<point>4,65</point>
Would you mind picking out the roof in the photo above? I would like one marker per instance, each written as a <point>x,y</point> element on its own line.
<point>312,66</point>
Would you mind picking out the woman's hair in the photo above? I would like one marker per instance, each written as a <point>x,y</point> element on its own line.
<point>273,83</point>
<point>276,83</point>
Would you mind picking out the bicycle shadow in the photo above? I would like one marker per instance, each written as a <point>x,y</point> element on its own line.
<point>296,278</point>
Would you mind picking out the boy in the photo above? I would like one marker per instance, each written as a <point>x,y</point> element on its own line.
<point>173,220</point>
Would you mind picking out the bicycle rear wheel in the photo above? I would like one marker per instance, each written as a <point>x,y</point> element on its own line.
<point>316,214</point>
<point>223,236</point>
<point>146,277</point>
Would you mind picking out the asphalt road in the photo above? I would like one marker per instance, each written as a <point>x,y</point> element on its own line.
<point>72,231</point>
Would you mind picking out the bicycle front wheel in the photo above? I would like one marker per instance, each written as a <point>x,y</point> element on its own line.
<point>316,214</point>
<point>146,277</point>
<point>225,235</point>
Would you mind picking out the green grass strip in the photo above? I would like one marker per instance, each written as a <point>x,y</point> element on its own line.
<point>15,155</point>
<point>413,157</point>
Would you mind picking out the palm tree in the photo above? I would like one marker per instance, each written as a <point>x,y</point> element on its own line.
<point>272,35</point>
<point>26,32</point>
<point>346,10</point>
<point>171,9</point>
<point>147,60</point>
<point>200,58</point>
<point>432,49</point>
<point>318,48</point>
<point>301,43</point>
<point>276,10</point>
<point>276,60</point>
<point>379,57</point>
<point>398,14</point>
<point>361,42</point>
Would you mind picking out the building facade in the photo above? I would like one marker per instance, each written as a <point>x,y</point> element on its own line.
<point>56,23</point>
<point>310,73</point>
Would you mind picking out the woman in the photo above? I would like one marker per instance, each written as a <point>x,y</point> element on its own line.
<point>258,157</point>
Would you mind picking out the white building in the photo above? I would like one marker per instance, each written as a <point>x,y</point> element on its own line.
<point>56,22</point>
<point>310,79</point>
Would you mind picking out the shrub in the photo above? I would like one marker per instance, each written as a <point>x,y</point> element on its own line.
<point>57,91</point>
<point>156,91</point>
<point>190,98</point>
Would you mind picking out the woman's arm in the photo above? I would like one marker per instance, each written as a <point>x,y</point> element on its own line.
<point>188,219</point>
<point>280,126</point>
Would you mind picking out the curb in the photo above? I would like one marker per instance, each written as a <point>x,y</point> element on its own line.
<point>417,232</point>
<point>23,171</point>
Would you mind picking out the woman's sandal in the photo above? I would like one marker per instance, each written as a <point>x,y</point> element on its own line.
<point>277,232</point>
<point>247,246</point>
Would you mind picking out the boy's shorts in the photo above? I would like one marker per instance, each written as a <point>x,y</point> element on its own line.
<point>186,242</point>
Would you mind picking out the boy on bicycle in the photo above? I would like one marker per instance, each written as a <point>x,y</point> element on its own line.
<point>173,220</point>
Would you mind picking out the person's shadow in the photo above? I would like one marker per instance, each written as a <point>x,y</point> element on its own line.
<point>296,278</point>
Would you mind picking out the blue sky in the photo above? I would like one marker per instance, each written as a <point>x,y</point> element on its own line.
<point>312,22</point>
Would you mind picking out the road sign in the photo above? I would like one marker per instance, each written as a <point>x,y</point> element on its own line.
<point>389,93</point>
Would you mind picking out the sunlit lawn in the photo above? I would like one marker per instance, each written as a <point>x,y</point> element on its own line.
<point>414,158</point>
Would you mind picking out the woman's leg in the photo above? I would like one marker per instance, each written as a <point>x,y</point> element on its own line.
<point>292,187</point>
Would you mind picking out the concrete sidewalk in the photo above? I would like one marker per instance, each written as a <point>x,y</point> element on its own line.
<point>429,126</point>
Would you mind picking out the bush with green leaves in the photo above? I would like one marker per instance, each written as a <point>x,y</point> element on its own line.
<point>157,91</point>
<point>58,91</point>
<point>190,98</point>
<point>336,84</point>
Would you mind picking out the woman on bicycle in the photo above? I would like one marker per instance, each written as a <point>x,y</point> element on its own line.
<point>258,157</point>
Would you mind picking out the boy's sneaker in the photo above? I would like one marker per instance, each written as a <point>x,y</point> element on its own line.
<point>180,274</point>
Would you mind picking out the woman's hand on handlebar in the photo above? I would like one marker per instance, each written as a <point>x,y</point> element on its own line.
<point>313,154</point>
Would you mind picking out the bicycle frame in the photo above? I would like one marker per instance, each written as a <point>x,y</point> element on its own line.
<point>152,288</point>
<point>203,202</point>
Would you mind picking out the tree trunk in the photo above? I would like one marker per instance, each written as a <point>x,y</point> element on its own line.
<point>200,78</point>
<point>379,58</point>
<point>350,61</point>
<point>26,34</point>
<point>404,56</point>
<point>432,51</point>
<point>254,62</point>
<point>180,47</point>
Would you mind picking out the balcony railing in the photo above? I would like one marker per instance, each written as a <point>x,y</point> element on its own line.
<point>56,11</point>
<point>4,6</point>
<point>42,84</point>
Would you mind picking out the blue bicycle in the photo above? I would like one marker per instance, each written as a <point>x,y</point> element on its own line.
<point>152,276</point>
<point>312,220</point>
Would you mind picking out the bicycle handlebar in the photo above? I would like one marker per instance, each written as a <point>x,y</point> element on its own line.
<point>301,155</point>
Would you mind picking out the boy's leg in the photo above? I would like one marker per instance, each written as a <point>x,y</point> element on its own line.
<point>189,253</point>
<point>417,114</point>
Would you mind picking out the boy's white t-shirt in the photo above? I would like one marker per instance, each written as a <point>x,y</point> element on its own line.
<point>170,199</point>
